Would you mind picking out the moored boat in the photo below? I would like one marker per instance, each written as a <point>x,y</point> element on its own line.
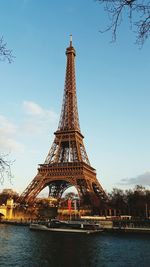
<point>67,227</point>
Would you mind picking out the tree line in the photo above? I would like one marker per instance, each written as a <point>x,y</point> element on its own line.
<point>134,202</point>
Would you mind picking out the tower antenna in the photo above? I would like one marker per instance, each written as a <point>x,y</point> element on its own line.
<point>70,39</point>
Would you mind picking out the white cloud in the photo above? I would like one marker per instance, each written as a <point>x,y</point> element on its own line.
<point>35,120</point>
<point>8,140</point>
<point>7,127</point>
<point>32,108</point>
<point>10,144</point>
<point>38,120</point>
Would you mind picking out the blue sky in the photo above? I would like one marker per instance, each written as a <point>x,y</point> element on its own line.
<point>112,88</point>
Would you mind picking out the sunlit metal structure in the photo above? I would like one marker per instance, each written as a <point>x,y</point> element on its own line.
<point>67,163</point>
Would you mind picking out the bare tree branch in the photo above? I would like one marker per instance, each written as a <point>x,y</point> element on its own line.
<point>137,11</point>
<point>5,54</point>
<point>5,164</point>
<point>5,169</point>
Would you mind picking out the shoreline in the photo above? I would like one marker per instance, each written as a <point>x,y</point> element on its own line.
<point>10,222</point>
<point>128,230</point>
<point>105,229</point>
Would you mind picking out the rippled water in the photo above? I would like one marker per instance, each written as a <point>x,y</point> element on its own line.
<point>20,247</point>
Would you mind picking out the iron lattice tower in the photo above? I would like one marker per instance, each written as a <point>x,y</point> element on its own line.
<point>67,163</point>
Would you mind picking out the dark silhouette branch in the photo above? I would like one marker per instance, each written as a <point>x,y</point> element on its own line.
<point>5,53</point>
<point>137,11</point>
<point>5,165</point>
<point>5,169</point>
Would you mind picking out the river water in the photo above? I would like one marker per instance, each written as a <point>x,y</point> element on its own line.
<point>21,247</point>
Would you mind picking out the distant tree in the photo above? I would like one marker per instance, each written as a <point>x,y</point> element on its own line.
<point>140,199</point>
<point>134,202</point>
<point>70,195</point>
<point>117,200</point>
<point>136,11</point>
<point>6,194</point>
<point>5,53</point>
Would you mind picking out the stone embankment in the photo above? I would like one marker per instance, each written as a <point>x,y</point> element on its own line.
<point>108,226</point>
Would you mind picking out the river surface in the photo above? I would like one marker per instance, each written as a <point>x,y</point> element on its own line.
<point>21,247</point>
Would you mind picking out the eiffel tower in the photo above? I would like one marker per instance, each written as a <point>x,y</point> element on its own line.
<point>67,163</point>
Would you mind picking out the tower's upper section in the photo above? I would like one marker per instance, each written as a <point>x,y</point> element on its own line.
<point>69,119</point>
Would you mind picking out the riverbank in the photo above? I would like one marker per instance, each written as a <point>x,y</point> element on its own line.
<point>12,222</point>
<point>128,230</point>
<point>105,229</point>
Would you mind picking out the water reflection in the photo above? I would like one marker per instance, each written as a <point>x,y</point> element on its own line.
<point>21,247</point>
